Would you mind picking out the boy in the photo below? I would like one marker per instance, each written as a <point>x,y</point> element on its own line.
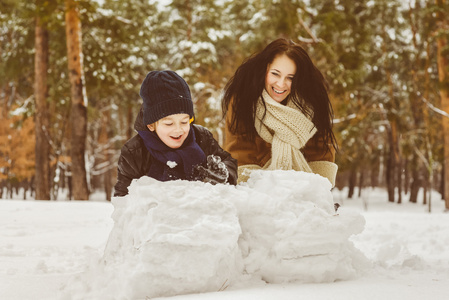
<point>168,146</point>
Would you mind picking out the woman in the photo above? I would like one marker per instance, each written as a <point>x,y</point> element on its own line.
<point>278,113</point>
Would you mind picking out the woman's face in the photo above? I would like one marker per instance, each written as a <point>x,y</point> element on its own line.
<point>172,130</point>
<point>279,77</point>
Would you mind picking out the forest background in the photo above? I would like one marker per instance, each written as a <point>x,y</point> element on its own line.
<point>70,74</point>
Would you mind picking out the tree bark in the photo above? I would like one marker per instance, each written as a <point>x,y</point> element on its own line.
<point>399,180</point>
<point>443,67</point>
<point>129,122</point>
<point>104,137</point>
<point>361,182</point>
<point>352,181</point>
<point>393,140</point>
<point>443,172</point>
<point>406,176</point>
<point>392,161</point>
<point>41,113</point>
<point>78,115</point>
<point>416,183</point>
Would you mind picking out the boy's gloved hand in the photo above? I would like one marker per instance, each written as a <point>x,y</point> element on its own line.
<point>216,171</point>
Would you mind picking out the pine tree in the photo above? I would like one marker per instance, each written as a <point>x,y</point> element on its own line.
<point>443,73</point>
<point>41,110</point>
<point>22,155</point>
<point>78,115</point>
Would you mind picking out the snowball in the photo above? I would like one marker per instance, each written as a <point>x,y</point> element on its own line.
<point>171,164</point>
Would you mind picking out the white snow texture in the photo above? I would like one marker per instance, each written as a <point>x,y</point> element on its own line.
<point>181,237</point>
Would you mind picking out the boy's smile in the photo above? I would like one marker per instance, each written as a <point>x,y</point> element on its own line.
<point>172,130</point>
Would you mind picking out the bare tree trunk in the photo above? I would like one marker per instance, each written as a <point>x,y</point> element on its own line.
<point>129,122</point>
<point>399,180</point>
<point>442,179</point>
<point>429,152</point>
<point>443,66</point>
<point>69,185</point>
<point>392,165</point>
<point>406,176</point>
<point>425,190</point>
<point>103,140</point>
<point>41,114</point>
<point>421,164</point>
<point>361,183</point>
<point>415,186</point>
<point>393,155</point>
<point>78,116</point>
<point>376,170</point>
<point>352,181</point>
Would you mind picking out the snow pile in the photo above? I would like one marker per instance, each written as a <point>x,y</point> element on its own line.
<point>173,237</point>
<point>181,237</point>
<point>168,238</point>
<point>291,232</point>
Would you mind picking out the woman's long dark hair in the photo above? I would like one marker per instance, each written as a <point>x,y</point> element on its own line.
<point>309,90</point>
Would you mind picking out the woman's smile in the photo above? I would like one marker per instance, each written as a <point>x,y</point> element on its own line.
<point>279,77</point>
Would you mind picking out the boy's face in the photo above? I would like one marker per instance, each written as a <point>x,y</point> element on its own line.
<point>172,130</point>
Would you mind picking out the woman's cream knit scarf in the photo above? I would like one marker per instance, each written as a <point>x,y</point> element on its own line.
<point>287,129</point>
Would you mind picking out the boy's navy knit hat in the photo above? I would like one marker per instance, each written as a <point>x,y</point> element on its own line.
<point>164,93</point>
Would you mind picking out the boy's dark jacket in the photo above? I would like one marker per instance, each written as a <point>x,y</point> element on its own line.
<point>135,160</point>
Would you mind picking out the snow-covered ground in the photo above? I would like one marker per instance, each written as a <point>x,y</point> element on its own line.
<point>101,250</point>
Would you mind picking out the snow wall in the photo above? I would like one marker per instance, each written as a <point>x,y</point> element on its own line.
<point>181,237</point>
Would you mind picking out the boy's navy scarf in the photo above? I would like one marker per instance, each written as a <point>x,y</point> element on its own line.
<point>186,157</point>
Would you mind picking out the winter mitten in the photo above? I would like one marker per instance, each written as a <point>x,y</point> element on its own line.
<point>216,171</point>
<point>326,169</point>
